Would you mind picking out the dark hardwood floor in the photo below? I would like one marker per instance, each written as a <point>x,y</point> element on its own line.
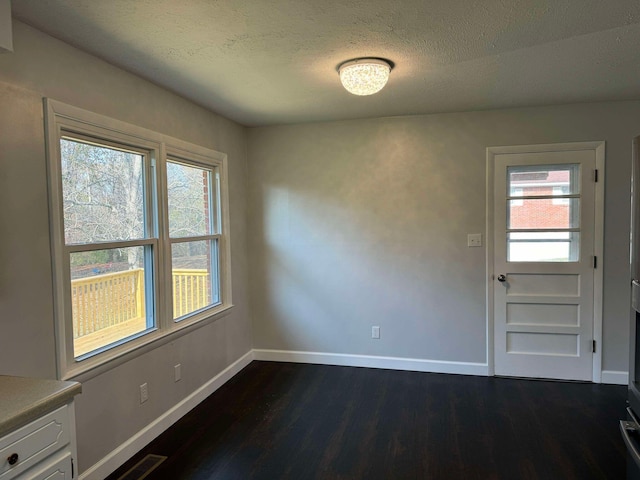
<point>293,421</point>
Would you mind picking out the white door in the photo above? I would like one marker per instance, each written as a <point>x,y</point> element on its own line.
<point>543,269</point>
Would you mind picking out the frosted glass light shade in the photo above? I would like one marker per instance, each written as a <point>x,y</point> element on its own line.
<point>364,76</point>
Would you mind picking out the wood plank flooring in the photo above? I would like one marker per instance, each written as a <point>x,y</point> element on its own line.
<point>293,421</point>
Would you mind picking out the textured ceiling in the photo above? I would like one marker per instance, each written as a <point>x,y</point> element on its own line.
<point>265,62</point>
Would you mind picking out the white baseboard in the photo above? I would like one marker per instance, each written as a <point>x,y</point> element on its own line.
<point>124,452</point>
<point>615,377</point>
<point>370,361</point>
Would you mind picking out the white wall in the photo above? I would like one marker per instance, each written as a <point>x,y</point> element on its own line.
<point>108,410</point>
<point>362,223</point>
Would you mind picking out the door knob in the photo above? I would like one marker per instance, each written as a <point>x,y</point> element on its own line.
<point>502,277</point>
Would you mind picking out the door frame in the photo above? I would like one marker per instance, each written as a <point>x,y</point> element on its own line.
<point>599,149</point>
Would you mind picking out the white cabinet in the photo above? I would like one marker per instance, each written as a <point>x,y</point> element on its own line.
<point>42,449</point>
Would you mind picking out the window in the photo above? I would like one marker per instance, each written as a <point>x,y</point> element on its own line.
<point>108,239</point>
<point>546,227</point>
<point>139,236</point>
<point>194,235</point>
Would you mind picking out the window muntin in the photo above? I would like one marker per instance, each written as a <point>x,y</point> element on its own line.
<point>560,193</point>
<point>543,213</point>
<point>516,192</point>
<point>88,249</point>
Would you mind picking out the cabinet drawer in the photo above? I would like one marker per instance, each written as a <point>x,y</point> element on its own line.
<point>33,442</point>
<point>57,468</point>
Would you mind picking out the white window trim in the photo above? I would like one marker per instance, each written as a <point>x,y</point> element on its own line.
<point>60,117</point>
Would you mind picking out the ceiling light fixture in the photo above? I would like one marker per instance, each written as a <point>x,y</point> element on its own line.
<point>364,76</point>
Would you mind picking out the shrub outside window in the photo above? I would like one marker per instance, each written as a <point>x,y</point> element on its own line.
<point>139,236</point>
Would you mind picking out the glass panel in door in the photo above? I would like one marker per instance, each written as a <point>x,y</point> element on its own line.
<point>543,213</point>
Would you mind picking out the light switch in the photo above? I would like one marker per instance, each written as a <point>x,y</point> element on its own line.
<point>375,332</point>
<point>474,240</point>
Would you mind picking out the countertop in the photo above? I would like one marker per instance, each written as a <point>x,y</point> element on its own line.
<point>22,399</point>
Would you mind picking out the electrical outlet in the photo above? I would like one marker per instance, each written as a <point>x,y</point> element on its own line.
<point>177,373</point>
<point>375,332</point>
<point>474,240</point>
<point>144,393</point>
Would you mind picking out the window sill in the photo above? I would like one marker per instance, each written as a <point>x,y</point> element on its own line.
<point>93,366</point>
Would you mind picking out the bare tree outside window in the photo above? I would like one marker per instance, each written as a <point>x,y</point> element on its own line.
<point>103,201</point>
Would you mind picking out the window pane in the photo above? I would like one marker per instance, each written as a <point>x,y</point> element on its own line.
<point>195,274</point>
<point>538,180</point>
<point>108,300</point>
<point>543,247</point>
<point>188,191</point>
<point>543,213</point>
<point>103,194</point>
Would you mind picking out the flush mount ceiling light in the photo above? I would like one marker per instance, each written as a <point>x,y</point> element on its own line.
<point>364,76</point>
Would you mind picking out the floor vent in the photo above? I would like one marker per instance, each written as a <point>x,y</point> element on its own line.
<point>143,468</point>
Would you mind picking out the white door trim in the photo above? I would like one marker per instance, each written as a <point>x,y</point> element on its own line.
<point>599,148</point>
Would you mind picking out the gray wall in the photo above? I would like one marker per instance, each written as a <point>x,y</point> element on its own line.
<point>108,411</point>
<point>362,223</point>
